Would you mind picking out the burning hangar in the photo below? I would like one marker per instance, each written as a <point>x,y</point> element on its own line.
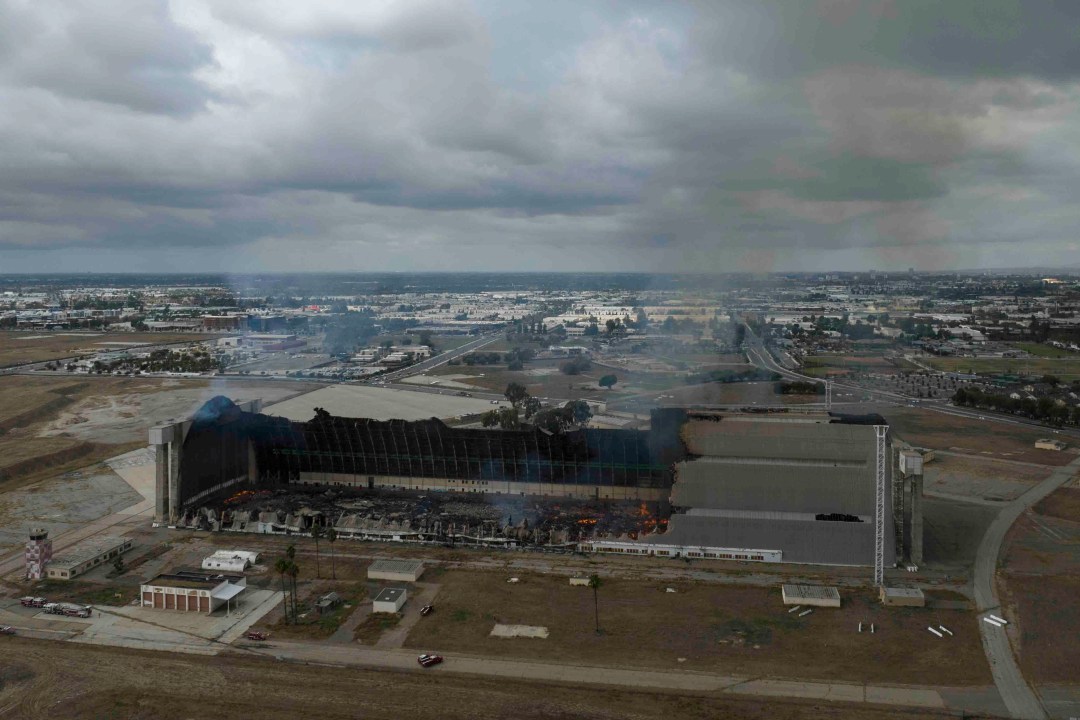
<point>792,486</point>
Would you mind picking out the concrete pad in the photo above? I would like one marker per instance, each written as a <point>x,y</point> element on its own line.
<point>524,631</point>
<point>138,469</point>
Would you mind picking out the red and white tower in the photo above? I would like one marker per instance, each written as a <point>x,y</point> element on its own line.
<point>38,553</point>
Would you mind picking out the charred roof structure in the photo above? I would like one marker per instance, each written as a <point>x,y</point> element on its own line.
<point>799,486</point>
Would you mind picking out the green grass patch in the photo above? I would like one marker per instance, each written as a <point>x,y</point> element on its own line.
<point>461,615</point>
<point>755,631</point>
<point>84,593</point>
<point>1041,350</point>
<point>1065,368</point>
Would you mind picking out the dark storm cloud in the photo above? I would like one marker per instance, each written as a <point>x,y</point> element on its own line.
<point>451,134</point>
<point>958,38</point>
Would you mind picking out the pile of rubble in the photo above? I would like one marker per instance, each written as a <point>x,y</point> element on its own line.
<point>497,521</point>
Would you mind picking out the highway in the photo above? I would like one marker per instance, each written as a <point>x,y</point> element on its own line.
<point>440,359</point>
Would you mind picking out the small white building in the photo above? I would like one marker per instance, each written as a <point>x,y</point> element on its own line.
<point>389,600</point>
<point>396,570</point>
<point>230,560</point>
<point>902,597</point>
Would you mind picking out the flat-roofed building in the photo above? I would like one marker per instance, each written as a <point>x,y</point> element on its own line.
<point>396,570</point>
<point>192,591</point>
<point>86,556</point>
<point>389,600</point>
<point>815,595</point>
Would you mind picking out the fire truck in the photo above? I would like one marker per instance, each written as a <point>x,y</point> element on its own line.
<point>32,601</point>
<point>67,609</point>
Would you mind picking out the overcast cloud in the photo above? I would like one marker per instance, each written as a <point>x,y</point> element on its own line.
<point>454,135</point>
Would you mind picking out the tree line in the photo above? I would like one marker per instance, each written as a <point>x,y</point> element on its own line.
<point>1046,409</point>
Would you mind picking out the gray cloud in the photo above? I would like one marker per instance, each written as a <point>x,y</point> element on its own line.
<point>441,134</point>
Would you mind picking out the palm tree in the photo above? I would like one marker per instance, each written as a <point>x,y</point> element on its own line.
<point>316,533</point>
<point>331,537</point>
<point>282,567</point>
<point>594,583</point>
<point>293,571</point>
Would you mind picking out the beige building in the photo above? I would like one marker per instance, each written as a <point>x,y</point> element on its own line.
<point>86,556</point>
<point>192,591</point>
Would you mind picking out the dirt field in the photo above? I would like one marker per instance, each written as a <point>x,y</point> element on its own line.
<point>49,425</point>
<point>726,629</point>
<point>952,532</point>
<point>972,477</point>
<point>925,428</point>
<point>17,348</point>
<point>839,366</point>
<point>1063,504</point>
<point>44,680</point>
<point>1042,589</point>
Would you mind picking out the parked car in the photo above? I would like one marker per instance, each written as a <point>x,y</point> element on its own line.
<point>256,635</point>
<point>426,660</point>
<point>7,630</point>
<point>427,609</point>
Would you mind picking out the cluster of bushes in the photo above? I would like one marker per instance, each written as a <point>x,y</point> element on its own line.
<point>576,366</point>
<point>799,387</point>
<point>732,376</point>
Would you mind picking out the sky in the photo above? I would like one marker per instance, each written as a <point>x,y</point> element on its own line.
<point>428,135</point>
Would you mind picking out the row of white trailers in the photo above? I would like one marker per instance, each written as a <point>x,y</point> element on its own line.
<point>686,551</point>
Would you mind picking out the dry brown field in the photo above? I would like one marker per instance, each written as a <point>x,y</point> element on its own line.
<point>43,680</point>
<point>53,424</point>
<point>1041,589</point>
<point>19,347</point>
<point>1063,504</point>
<point>926,428</point>
<point>29,404</point>
<point>726,629</point>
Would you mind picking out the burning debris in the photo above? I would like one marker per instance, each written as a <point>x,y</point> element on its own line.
<point>446,518</point>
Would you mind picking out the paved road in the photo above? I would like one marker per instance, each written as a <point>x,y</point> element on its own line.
<point>440,359</point>
<point>673,680</point>
<point>1019,698</point>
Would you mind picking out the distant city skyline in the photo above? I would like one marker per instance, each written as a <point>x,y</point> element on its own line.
<point>471,135</point>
